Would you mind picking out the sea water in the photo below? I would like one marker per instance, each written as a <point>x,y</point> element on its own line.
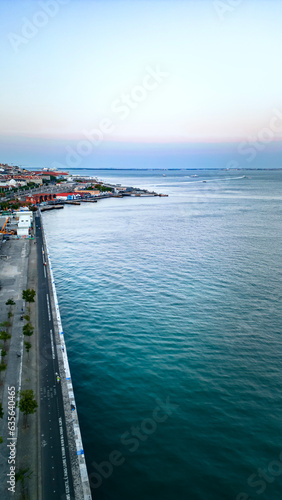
<point>171,309</point>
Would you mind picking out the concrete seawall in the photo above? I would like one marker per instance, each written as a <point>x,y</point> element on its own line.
<point>78,464</point>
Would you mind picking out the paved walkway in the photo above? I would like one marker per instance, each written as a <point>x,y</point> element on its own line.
<point>13,279</point>
<point>28,453</point>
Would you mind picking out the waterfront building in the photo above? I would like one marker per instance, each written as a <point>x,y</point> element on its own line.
<point>24,219</point>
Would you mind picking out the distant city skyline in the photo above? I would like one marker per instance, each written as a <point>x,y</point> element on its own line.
<point>90,72</point>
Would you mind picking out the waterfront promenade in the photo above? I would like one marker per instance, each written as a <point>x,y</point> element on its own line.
<point>47,447</point>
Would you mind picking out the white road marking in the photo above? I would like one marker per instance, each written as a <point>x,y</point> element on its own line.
<point>52,344</point>
<point>44,271</point>
<point>48,306</point>
<point>65,468</point>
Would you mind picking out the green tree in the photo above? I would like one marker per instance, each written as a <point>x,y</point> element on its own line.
<point>21,476</point>
<point>28,346</point>
<point>10,314</point>
<point>28,295</point>
<point>4,336</point>
<point>27,317</point>
<point>3,352</point>
<point>27,403</point>
<point>10,302</point>
<point>3,367</point>
<point>27,330</point>
<point>5,324</point>
<point>99,187</point>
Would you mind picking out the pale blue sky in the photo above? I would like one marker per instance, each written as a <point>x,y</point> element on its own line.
<point>224,72</point>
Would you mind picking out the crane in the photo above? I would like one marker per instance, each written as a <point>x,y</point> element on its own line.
<point>3,231</point>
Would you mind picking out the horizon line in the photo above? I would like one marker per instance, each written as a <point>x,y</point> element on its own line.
<point>164,141</point>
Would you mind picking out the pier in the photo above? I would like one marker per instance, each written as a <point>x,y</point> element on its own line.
<point>51,207</point>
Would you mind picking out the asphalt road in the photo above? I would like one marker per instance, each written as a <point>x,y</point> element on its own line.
<point>55,462</point>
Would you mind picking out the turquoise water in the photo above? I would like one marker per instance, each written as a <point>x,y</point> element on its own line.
<point>171,310</point>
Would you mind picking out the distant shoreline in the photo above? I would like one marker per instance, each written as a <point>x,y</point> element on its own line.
<point>168,169</point>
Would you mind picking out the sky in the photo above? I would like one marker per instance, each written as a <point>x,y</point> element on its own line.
<point>78,75</point>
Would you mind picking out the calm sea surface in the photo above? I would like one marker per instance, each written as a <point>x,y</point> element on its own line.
<point>171,309</point>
